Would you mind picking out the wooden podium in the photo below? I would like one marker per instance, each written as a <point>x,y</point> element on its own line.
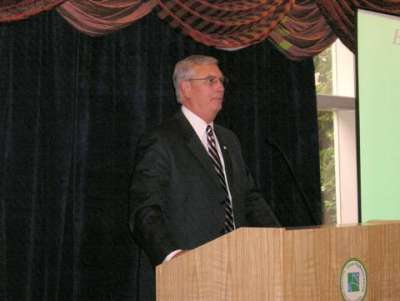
<point>252,264</point>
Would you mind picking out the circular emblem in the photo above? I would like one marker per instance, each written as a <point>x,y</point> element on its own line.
<point>353,280</point>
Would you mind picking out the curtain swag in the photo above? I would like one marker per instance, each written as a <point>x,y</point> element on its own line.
<point>299,29</point>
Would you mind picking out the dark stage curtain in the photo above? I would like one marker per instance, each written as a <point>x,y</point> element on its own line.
<point>71,111</point>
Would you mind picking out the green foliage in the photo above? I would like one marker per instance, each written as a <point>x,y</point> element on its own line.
<point>323,83</point>
<point>327,165</point>
<point>323,72</point>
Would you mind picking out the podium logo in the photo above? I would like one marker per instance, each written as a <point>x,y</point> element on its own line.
<point>353,280</point>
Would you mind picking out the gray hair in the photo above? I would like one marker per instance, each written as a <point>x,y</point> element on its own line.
<point>184,69</point>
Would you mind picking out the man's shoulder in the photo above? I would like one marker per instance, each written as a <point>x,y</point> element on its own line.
<point>165,131</point>
<point>221,130</point>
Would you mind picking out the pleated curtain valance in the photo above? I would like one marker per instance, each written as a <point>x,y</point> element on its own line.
<point>299,29</point>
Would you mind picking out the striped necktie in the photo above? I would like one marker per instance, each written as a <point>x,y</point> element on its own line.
<point>213,153</point>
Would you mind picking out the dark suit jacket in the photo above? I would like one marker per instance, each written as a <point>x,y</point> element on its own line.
<point>176,198</point>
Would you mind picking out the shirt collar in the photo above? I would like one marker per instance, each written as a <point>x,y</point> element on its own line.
<point>198,124</point>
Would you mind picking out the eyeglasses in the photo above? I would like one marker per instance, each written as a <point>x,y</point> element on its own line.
<point>212,80</point>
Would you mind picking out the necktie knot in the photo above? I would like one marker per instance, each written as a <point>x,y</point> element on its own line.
<point>209,130</point>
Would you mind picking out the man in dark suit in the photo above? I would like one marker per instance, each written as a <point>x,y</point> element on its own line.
<point>191,184</point>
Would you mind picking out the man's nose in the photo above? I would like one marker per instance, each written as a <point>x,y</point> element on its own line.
<point>219,85</point>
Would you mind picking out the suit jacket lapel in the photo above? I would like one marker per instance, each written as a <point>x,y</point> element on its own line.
<point>194,144</point>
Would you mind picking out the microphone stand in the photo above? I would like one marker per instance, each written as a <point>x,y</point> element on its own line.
<point>293,175</point>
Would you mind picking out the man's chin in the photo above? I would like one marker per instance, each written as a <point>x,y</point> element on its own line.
<point>218,106</point>
<point>218,102</point>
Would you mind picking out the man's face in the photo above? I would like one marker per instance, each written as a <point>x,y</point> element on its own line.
<point>204,92</point>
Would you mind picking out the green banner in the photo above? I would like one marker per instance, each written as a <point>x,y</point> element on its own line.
<point>378,67</point>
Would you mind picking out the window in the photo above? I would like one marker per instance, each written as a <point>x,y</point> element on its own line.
<point>335,84</point>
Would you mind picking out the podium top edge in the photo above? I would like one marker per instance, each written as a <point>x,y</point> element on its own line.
<point>330,226</point>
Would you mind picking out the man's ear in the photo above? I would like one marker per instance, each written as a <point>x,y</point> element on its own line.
<point>185,88</point>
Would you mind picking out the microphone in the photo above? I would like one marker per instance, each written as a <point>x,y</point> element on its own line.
<point>294,177</point>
